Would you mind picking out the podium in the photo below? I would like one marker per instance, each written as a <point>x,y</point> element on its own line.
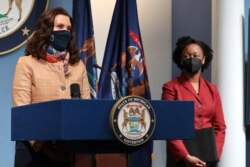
<point>83,125</point>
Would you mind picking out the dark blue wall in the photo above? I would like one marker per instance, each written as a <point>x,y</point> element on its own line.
<point>193,18</point>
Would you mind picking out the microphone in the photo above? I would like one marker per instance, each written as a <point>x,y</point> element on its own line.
<point>75,91</point>
<point>117,92</point>
<point>99,67</point>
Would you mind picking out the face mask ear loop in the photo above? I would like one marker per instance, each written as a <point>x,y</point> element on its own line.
<point>181,65</point>
<point>52,38</point>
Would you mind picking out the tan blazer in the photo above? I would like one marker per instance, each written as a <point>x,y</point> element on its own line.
<point>38,80</point>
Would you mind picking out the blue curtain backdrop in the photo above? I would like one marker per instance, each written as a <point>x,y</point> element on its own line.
<point>83,24</point>
<point>124,67</point>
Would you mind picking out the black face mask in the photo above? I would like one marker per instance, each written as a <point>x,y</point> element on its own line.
<point>192,65</point>
<point>59,40</point>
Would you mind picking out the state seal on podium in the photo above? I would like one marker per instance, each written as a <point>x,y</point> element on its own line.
<point>132,120</point>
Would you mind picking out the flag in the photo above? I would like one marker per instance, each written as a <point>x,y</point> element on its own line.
<point>124,57</point>
<point>124,67</point>
<point>83,24</point>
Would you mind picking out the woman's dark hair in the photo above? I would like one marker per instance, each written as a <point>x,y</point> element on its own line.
<point>183,42</point>
<point>39,42</point>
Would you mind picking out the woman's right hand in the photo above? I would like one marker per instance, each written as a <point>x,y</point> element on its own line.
<point>193,161</point>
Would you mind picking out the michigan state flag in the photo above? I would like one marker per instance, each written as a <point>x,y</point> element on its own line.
<point>124,60</point>
<point>83,25</point>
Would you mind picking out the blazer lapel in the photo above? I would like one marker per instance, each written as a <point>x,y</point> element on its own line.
<point>187,85</point>
<point>202,88</point>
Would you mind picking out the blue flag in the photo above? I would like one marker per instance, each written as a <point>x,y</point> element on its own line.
<point>124,67</point>
<point>82,17</point>
<point>124,56</point>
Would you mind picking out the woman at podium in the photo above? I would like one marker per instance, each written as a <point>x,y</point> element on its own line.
<point>51,64</point>
<point>193,57</point>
